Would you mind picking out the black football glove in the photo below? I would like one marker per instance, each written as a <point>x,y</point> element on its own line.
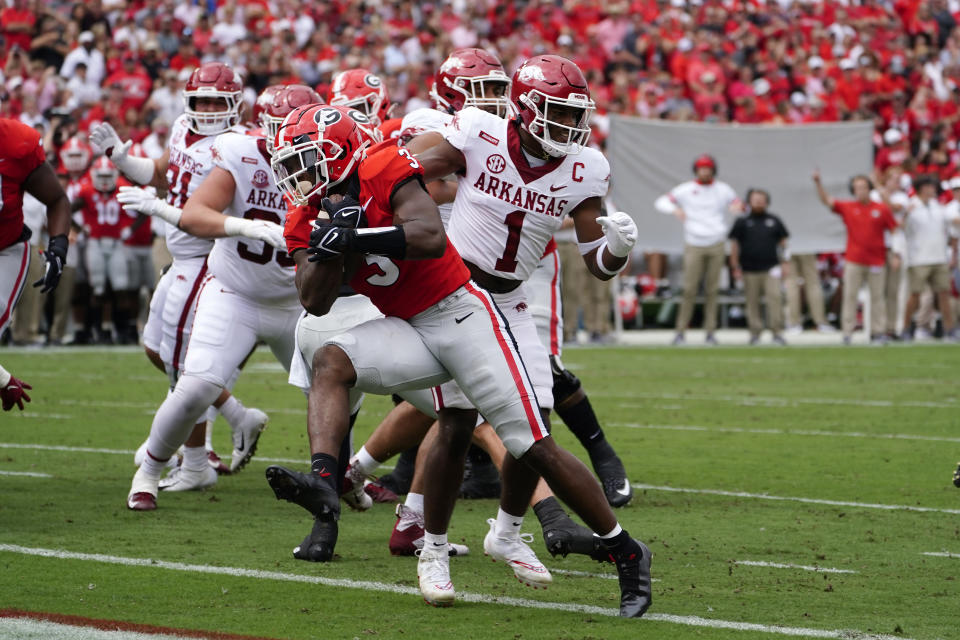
<point>328,241</point>
<point>347,213</point>
<point>56,257</point>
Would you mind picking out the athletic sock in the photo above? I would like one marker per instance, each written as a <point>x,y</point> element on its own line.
<point>434,540</point>
<point>233,410</point>
<point>326,467</point>
<point>414,502</point>
<point>194,458</point>
<point>582,421</point>
<point>365,462</point>
<point>617,541</point>
<point>507,526</point>
<point>548,510</point>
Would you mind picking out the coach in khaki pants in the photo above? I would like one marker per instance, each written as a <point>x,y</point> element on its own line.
<point>866,253</point>
<point>702,206</point>
<point>758,244</point>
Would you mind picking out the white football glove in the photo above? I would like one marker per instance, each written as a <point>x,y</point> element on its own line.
<point>269,232</point>
<point>620,231</point>
<point>139,200</point>
<point>107,140</point>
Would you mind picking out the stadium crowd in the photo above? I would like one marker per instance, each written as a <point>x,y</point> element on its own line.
<point>67,66</point>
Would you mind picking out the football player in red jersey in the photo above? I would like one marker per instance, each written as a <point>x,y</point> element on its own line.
<point>23,168</point>
<point>517,180</point>
<point>438,326</point>
<point>212,99</point>
<point>106,257</point>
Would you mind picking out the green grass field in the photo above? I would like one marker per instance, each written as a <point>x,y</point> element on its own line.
<point>831,458</point>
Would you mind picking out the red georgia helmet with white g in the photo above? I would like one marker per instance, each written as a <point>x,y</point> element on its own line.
<point>213,80</point>
<point>540,86</point>
<point>104,175</point>
<point>463,81</point>
<point>361,90</point>
<point>283,100</point>
<point>75,155</point>
<point>316,148</point>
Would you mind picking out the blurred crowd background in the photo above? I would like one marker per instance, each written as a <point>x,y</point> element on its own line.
<point>66,66</point>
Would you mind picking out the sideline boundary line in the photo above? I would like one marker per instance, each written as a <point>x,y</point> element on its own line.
<point>783,432</point>
<point>695,621</point>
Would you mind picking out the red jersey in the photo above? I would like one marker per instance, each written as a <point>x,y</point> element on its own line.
<point>20,154</point>
<point>143,236</point>
<point>391,128</point>
<point>102,212</point>
<point>865,224</point>
<point>401,288</point>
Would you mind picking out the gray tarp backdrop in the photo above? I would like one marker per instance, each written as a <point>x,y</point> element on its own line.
<point>650,157</point>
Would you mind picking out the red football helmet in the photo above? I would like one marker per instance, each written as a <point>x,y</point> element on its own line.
<point>284,99</point>
<point>264,100</point>
<point>465,78</point>
<point>361,90</point>
<point>213,80</point>
<point>542,86</point>
<point>317,147</point>
<point>75,155</point>
<point>104,175</point>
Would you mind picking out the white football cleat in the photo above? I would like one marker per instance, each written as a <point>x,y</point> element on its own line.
<point>143,491</point>
<point>352,490</point>
<point>245,437</point>
<point>515,553</point>
<point>433,573</point>
<point>141,453</point>
<point>182,479</point>
<point>407,536</point>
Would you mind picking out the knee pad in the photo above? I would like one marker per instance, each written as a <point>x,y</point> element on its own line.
<point>565,384</point>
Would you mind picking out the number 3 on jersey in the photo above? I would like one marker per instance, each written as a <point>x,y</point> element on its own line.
<point>389,272</point>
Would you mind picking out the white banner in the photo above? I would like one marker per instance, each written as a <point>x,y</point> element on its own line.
<point>650,157</point>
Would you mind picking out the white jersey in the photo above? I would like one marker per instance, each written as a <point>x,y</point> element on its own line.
<point>190,162</point>
<point>424,121</point>
<point>707,208</point>
<point>252,268</point>
<point>506,211</point>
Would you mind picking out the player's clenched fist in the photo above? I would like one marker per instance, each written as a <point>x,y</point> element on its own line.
<point>620,231</point>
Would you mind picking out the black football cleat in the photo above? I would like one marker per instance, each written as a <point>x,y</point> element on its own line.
<point>480,480</point>
<point>563,536</point>
<point>319,544</point>
<point>305,489</point>
<point>956,476</point>
<point>613,478</point>
<point>633,570</point>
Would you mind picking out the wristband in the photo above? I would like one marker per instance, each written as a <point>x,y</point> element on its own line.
<point>390,242</point>
<point>139,170</point>
<point>587,247</point>
<point>603,267</point>
<point>235,226</point>
<point>168,213</point>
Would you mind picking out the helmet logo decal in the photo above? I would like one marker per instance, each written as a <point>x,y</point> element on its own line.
<point>372,81</point>
<point>531,72</point>
<point>326,116</point>
<point>451,63</point>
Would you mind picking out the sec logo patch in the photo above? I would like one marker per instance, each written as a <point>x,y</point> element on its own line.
<point>496,163</point>
<point>260,179</point>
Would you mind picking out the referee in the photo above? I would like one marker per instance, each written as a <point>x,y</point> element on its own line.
<point>758,248</point>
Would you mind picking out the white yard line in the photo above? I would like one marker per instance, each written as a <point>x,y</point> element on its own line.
<point>765,496</point>
<point>29,415</point>
<point>29,628</point>
<point>587,574</point>
<point>29,474</point>
<point>51,447</point>
<point>785,432</point>
<point>941,554</point>
<point>366,585</point>
<point>803,567</point>
<point>773,401</point>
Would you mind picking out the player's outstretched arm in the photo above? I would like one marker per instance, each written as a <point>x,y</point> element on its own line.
<point>441,160</point>
<point>416,212</point>
<point>605,242</point>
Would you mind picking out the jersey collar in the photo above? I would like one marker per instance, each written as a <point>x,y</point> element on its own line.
<point>527,173</point>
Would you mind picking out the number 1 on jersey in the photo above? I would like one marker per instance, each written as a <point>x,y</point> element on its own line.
<point>508,261</point>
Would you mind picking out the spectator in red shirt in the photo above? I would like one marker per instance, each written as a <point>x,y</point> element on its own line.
<point>866,254</point>
<point>895,151</point>
<point>17,24</point>
<point>186,56</point>
<point>134,80</point>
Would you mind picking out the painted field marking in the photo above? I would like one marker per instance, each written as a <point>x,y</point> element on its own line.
<point>121,452</point>
<point>27,628</point>
<point>774,401</point>
<point>29,474</point>
<point>941,554</point>
<point>803,567</point>
<point>765,496</point>
<point>785,432</point>
<point>27,415</point>
<point>367,585</point>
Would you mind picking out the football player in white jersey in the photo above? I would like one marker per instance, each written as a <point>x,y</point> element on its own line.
<point>518,178</point>
<point>212,98</point>
<point>248,295</point>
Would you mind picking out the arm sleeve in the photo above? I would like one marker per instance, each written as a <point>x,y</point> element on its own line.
<point>602,171</point>
<point>784,233</point>
<point>737,230</point>
<point>838,206</point>
<point>669,202</point>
